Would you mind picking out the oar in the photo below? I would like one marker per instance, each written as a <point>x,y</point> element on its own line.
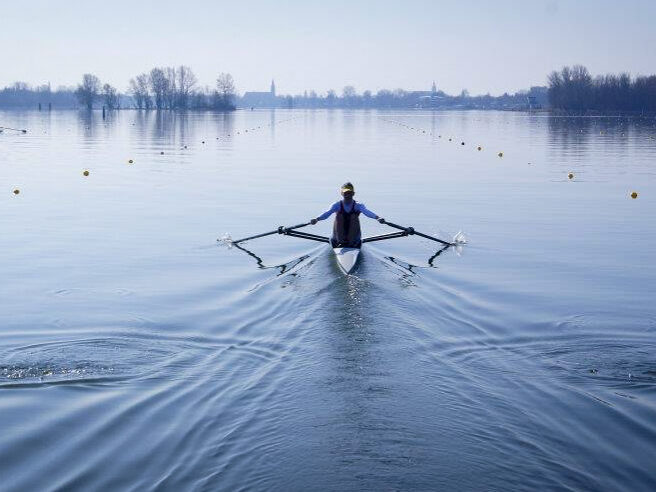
<point>410,230</point>
<point>279,230</point>
<point>14,129</point>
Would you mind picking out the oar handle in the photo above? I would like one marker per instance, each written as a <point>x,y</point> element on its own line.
<point>411,230</point>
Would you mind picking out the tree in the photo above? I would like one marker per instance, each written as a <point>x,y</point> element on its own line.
<point>331,96</point>
<point>170,89</point>
<point>225,86</point>
<point>139,90</point>
<point>186,81</point>
<point>110,96</point>
<point>159,84</point>
<point>87,92</point>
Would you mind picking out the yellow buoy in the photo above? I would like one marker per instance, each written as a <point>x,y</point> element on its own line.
<point>570,175</point>
<point>500,154</point>
<point>16,191</point>
<point>634,195</point>
<point>85,172</point>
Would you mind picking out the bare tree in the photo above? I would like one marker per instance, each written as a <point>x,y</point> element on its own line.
<point>170,91</point>
<point>139,90</point>
<point>186,81</point>
<point>87,91</point>
<point>110,96</point>
<point>159,85</point>
<point>225,86</point>
<point>349,94</point>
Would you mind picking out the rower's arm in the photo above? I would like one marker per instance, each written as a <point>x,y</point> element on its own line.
<point>328,212</point>
<point>364,210</point>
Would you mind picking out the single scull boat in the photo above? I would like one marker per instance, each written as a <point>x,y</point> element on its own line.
<point>347,258</point>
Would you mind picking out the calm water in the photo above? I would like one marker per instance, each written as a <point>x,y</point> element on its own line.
<point>138,353</point>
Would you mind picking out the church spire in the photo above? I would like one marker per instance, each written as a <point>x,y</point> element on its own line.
<point>273,88</point>
<point>434,88</point>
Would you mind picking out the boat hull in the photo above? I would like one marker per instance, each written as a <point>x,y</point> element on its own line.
<point>347,258</point>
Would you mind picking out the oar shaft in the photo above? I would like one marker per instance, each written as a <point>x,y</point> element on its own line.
<point>411,230</point>
<point>279,230</point>
<point>433,238</point>
<point>256,236</point>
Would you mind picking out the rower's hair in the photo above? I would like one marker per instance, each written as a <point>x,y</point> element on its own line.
<point>348,184</point>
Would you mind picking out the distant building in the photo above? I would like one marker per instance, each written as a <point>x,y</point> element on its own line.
<point>260,99</point>
<point>429,99</point>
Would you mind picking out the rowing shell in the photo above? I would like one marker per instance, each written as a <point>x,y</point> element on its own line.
<point>347,258</point>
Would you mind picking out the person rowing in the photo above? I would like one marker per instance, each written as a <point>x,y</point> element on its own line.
<point>346,228</point>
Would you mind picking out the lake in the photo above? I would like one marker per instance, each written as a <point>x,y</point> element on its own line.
<point>137,352</point>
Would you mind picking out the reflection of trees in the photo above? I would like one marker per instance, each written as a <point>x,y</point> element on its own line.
<point>569,132</point>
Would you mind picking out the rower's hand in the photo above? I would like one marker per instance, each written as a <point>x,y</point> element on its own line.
<point>313,221</point>
<point>381,220</point>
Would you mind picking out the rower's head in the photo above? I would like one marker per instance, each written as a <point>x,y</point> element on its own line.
<point>347,191</point>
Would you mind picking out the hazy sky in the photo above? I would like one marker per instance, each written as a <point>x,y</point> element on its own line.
<point>495,46</point>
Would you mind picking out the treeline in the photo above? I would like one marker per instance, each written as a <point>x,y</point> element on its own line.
<point>21,94</point>
<point>177,88</point>
<point>535,97</point>
<point>161,88</point>
<point>574,89</point>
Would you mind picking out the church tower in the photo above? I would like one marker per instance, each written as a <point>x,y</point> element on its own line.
<point>273,88</point>
<point>434,88</point>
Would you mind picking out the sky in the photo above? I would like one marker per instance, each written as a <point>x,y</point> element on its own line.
<point>482,46</point>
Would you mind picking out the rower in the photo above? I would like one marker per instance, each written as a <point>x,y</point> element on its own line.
<point>346,228</point>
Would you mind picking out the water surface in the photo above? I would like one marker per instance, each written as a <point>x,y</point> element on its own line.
<point>138,353</point>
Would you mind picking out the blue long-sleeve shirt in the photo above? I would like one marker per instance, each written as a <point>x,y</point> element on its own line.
<point>359,207</point>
